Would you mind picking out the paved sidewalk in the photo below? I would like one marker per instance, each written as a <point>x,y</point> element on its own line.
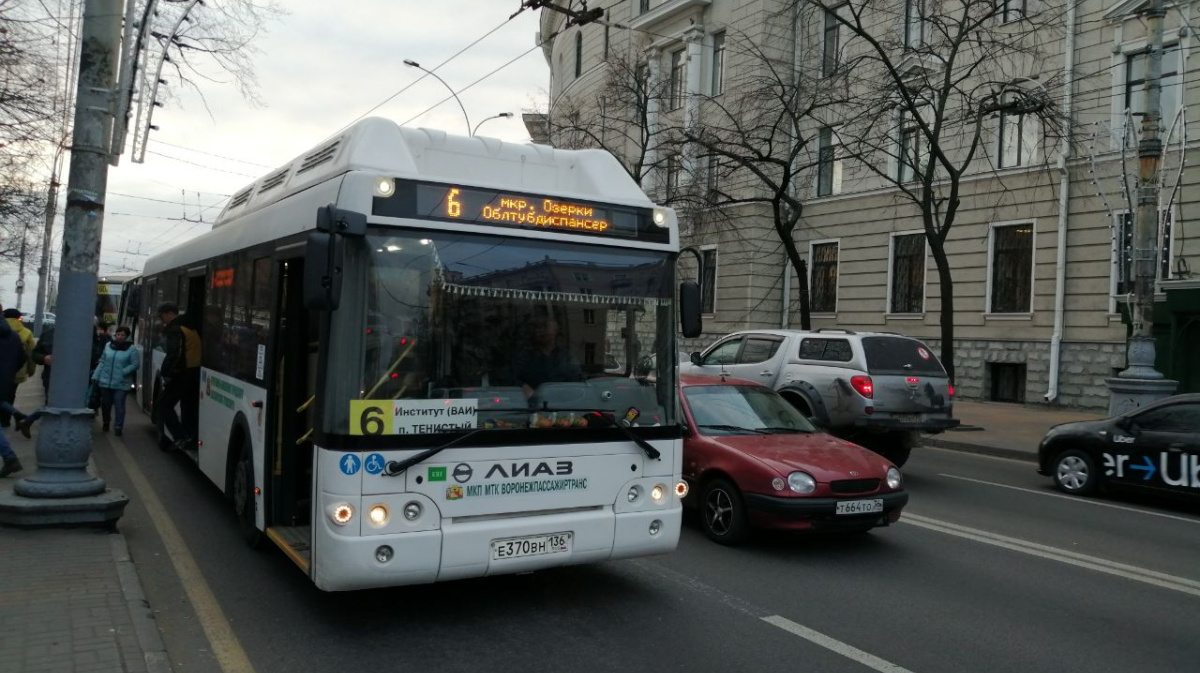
<point>1005,430</point>
<point>70,598</point>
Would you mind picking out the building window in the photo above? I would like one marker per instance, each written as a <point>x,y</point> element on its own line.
<point>679,63</point>
<point>589,316</point>
<point>674,168</point>
<point>643,6</point>
<point>578,54</point>
<point>1018,139</point>
<point>1011,275</point>
<point>1014,10</point>
<point>831,43</point>
<point>912,157</point>
<point>712,191</point>
<point>1008,382</point>
<point>606,42</point>
<point>829,173</point>
<point>718,64</point>
<point>824,273</point>
<point>914,24</point>
<point>708,279</point>
<point>907,274</point>
<point>1136,66</point>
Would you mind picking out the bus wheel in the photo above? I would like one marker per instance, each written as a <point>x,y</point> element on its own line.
<point>243,497</point>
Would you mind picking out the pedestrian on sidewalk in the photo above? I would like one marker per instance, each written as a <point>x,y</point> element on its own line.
<point>13,317</point>
<point>12,360</point>
<point>114,375</point>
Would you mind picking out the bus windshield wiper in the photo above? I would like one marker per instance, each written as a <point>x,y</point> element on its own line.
<point>651,452</point>
<point>395,467</point>
<point>736,428</point>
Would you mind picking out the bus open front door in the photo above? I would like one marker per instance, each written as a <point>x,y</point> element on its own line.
<point>289,477</point>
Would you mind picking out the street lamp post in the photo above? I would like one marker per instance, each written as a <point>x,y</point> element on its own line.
<point>413,64</point>
<point>502,115</point>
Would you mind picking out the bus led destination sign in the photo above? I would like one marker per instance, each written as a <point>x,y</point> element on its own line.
<point>547,213</point>
<point>472,205</point>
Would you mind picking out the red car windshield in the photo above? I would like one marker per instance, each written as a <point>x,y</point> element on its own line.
<point>742,410</point>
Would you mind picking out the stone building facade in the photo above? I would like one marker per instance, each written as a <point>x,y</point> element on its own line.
<point>1040,249</point>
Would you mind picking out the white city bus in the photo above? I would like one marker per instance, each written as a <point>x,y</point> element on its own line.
<point>379,395</point>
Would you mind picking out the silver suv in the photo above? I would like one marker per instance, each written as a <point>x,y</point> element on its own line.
<point>877,389</point>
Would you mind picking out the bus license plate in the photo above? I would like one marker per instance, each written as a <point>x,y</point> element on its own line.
<point>535,545</point>
<point>859,506</point>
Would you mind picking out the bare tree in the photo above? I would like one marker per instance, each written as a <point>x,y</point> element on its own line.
<point>217,35</point>
<point>759,145</point>
<point>921,94</point>
<point>616,118</point>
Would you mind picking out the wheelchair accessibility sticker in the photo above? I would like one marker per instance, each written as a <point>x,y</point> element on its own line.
<point>374,464</point>
<point>350,464</point>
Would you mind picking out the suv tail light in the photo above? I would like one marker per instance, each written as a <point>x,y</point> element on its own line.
<point>951,390</point>
<point>863,385</point>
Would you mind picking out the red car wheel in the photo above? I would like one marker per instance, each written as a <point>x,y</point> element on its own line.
<point>723,512</point>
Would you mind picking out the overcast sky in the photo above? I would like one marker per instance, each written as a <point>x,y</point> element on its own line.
<point>322,65</point>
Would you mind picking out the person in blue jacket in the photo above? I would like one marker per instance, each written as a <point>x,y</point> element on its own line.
<point>114,375</point>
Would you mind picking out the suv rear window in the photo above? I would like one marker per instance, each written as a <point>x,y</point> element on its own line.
<point>836,350</point>
<point>897,355</point>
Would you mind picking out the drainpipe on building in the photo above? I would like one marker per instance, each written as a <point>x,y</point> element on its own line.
<point>1064,209</point>
<point>784,314</point>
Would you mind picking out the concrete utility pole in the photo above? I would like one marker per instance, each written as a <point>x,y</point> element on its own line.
<point>39,309</point>
<point>1141,383</point>
<point>62,492</point>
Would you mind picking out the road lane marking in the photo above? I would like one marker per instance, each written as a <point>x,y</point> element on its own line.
<point>225,646</point>
<point>1073,498</point>
<point>1163,580</point>
<point>834,645</point>
<point>738,605</point>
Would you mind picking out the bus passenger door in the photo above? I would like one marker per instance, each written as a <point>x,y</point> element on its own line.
<point>295,370</point>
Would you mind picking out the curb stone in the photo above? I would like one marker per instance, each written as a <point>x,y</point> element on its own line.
<point>144,625</point>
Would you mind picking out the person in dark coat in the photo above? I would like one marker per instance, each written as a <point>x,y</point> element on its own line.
<point>43,351</point>
<point>43,354</point>
<point>180,374</point>
<point>12,360</point>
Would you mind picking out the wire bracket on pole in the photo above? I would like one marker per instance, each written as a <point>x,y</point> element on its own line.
<point>580,17</point>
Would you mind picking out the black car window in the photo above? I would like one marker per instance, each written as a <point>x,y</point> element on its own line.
<point>725,353</point>
<point>899,356</point>
<point>1180,418</point>
<point>758,350</point>
<point>835,350</point>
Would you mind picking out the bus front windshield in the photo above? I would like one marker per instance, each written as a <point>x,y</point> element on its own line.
<point>452,332</point>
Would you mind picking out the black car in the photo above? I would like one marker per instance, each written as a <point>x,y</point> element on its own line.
<point>1155,447</point>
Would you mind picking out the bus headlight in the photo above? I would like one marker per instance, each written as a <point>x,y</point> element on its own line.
<point>384,553</point>
<point>681,489</point>
<point>635,492</point>
<point>385,187</point>
<point>660,217</point>
<point>341,513</point>
<point>655,526</point>
<point>656,493</point>
<point>378,515</point>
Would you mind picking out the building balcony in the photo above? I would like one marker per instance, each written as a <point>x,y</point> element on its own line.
<point>660,11</point>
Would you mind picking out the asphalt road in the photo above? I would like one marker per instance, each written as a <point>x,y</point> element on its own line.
<point>990,570</point>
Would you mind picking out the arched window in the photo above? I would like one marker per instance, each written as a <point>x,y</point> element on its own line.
<point>578,53</point>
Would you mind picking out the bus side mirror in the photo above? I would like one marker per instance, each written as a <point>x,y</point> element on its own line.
<point>323,257</point>
<point>690,323</point>
<point>324,254</point>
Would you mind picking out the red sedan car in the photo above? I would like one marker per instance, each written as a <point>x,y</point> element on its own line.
<point>752,460</point>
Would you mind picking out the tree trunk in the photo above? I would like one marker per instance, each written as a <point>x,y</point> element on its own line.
<point>946,282</point>
<point>801,269</point>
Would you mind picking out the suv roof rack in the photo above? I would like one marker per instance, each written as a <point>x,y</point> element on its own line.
<point>833,329</point>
